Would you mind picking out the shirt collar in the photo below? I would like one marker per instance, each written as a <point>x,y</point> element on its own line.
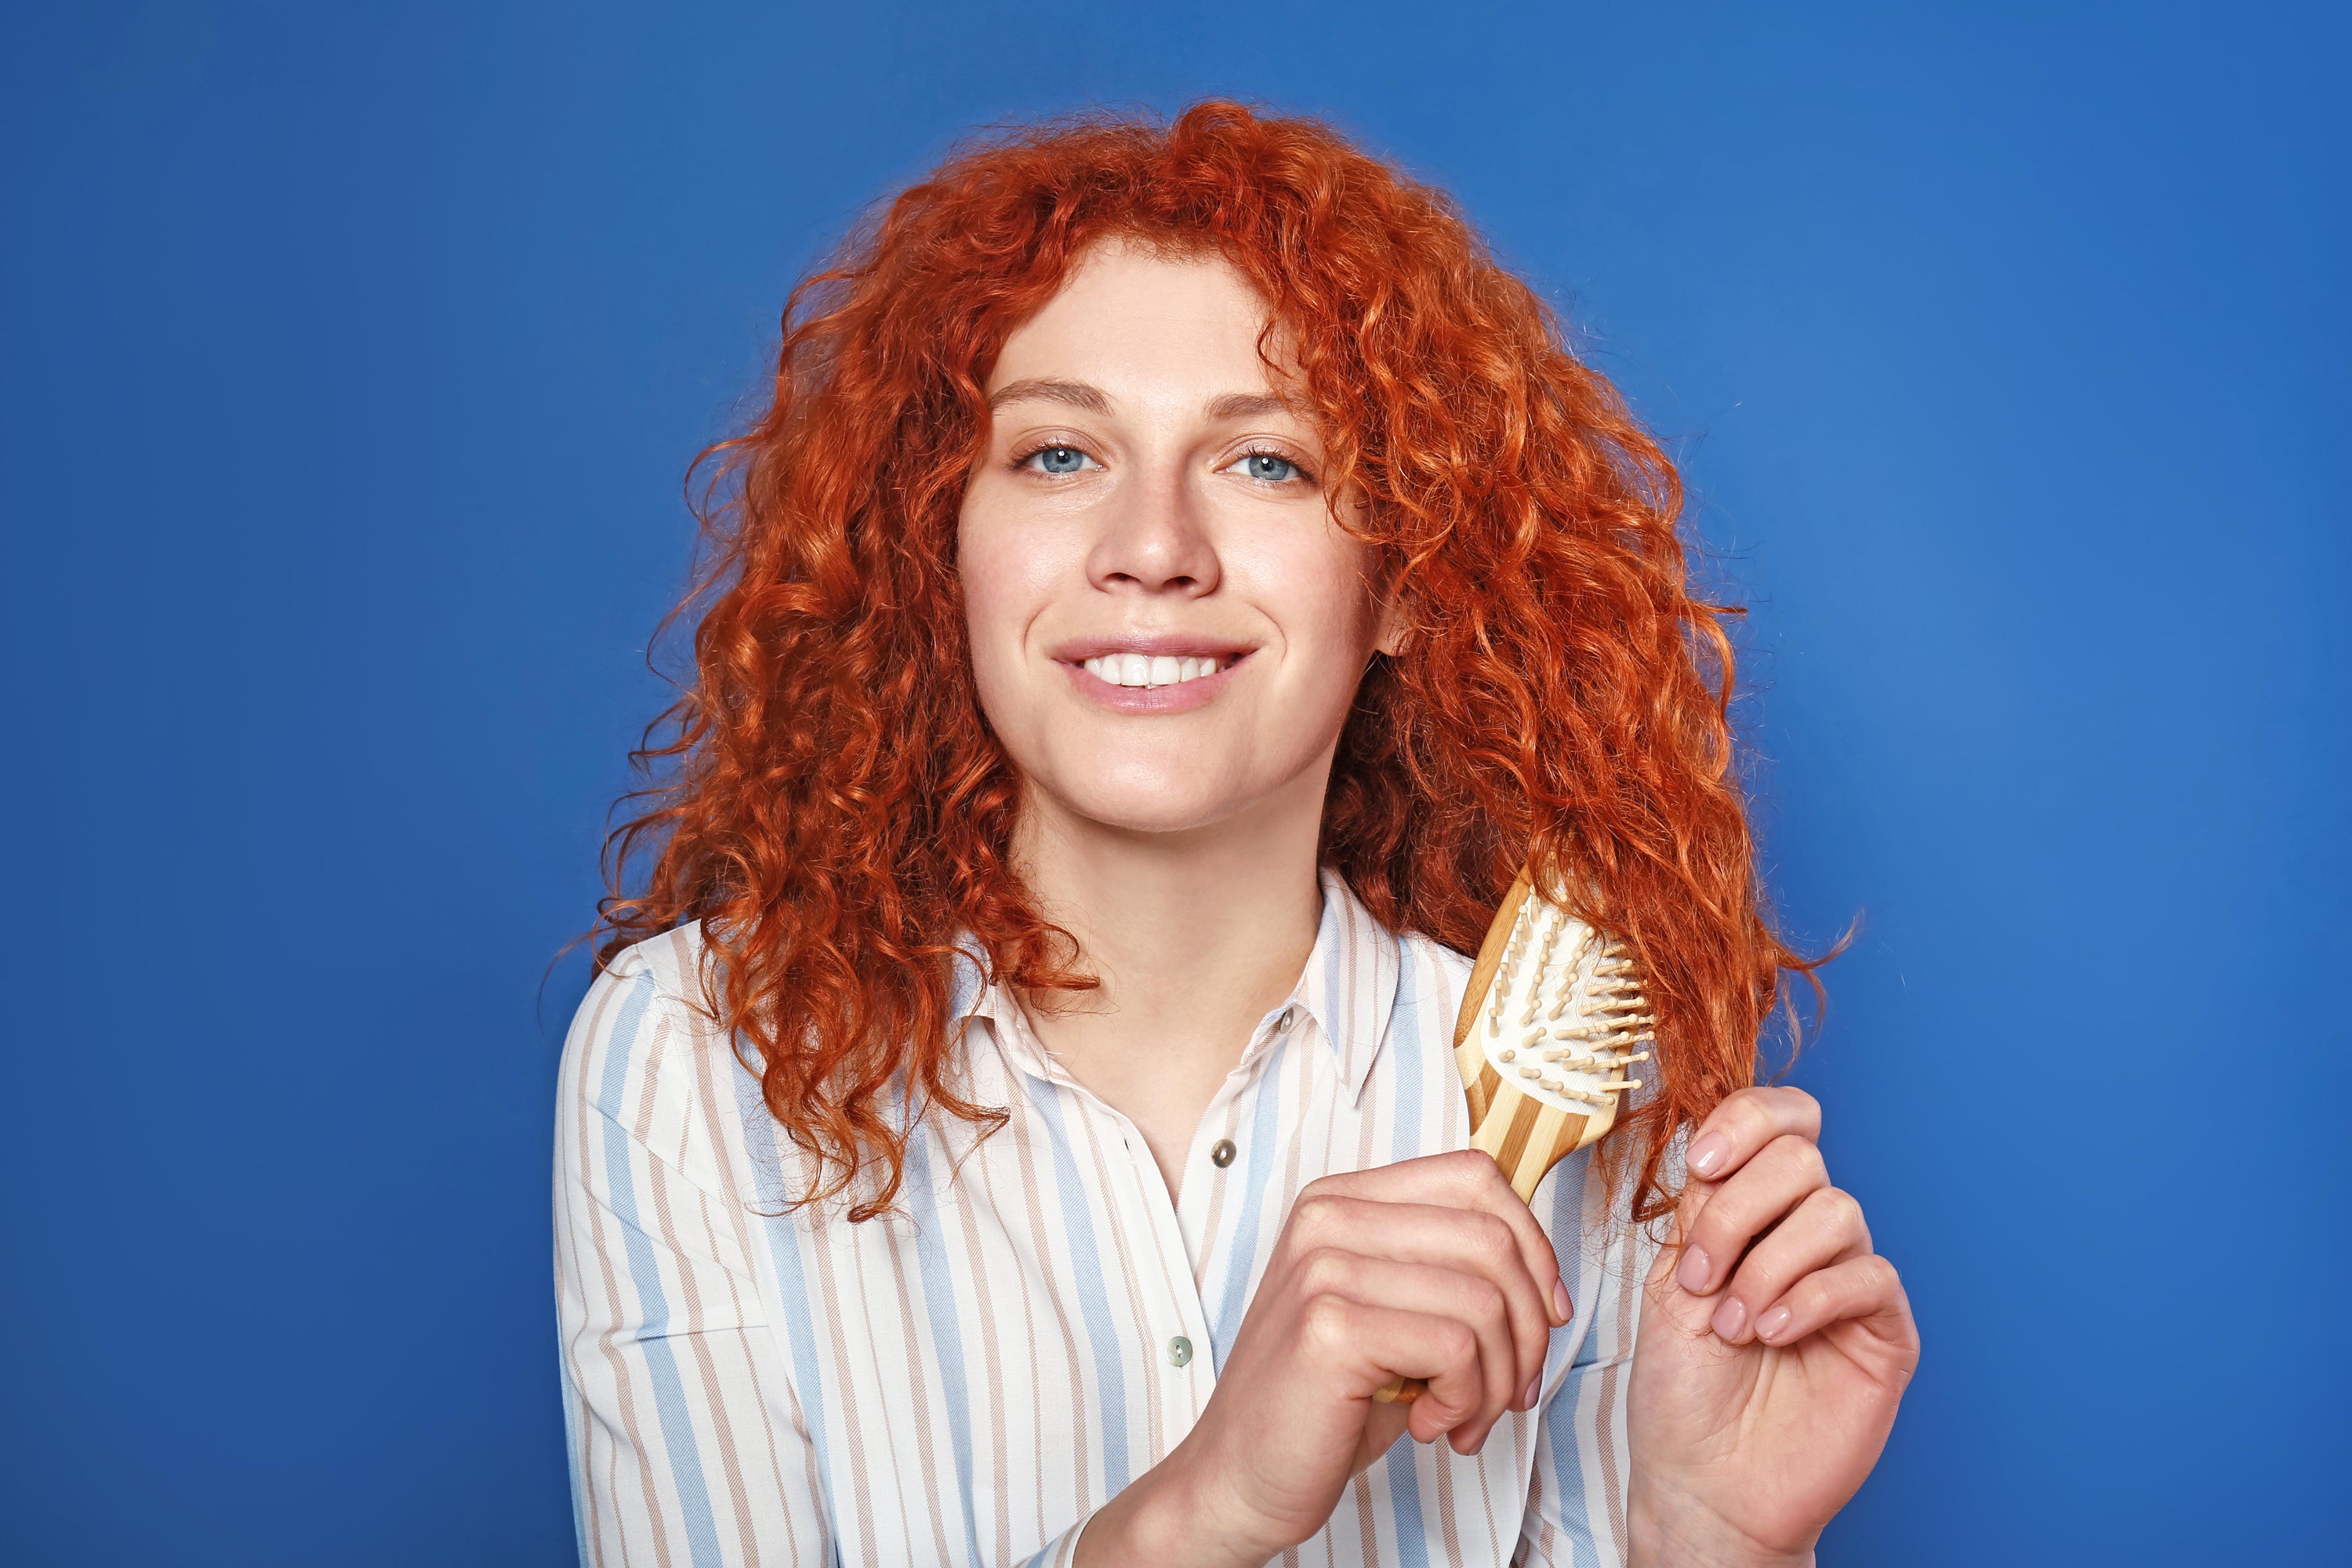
<point>1351,985</point>
<point>1348,989</point>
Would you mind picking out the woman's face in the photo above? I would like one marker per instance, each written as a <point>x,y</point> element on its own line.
<point>1167,625</point>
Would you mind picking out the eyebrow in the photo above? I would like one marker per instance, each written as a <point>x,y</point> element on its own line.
<point>1041,389</point>
<point>1079,394</point>
<point>1245,405</point>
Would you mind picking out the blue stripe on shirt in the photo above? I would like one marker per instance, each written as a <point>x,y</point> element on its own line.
<point>1559,1415</point>
<point>1094,1302</point>
<point>947,1339</point>
<point>791,1275</point>
<point>644,1276</point>
<point>1241,1254</point>
<point>1411,1111</point>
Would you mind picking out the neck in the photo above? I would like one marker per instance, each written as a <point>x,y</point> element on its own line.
<point>1194,935</point>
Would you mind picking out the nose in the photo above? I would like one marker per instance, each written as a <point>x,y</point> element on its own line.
<point>1154,538</point>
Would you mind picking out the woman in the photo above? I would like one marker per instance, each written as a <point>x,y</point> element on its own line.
<point>1179,580</point>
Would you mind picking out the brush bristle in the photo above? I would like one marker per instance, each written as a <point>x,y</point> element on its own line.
<point>1562,1012</point>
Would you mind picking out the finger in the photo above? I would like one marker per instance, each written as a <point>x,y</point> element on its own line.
<point>1473,1241</point>
<point>1827,1228</point>
<point>1470,1244</point>
<point>1747,1120</point>
<point>1463,1178</point>
<point>1866,1290</point>
<point>1469,1298</point>
<point>1753,1199</point>
<point>1369,1345</point>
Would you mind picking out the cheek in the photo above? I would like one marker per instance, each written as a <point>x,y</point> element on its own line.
<point>1002,588</point>
<point>988,571</point>
<point>1327,609</point>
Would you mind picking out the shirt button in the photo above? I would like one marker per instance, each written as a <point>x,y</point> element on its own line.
<point>1288,1016</point>
<point>1221,1152</point>
<point>1180,1351</point>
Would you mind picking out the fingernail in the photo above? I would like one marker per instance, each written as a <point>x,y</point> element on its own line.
<point>1528,1398</point>
<point>1692,1271</point>
<point>1562,1307</point>
<point>1707,1156</point>
<point>1769,1325</point>
<point>1729,1318</point>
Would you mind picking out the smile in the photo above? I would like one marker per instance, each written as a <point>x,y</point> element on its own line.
<point>1149,670</point>
<point>1158,682</point>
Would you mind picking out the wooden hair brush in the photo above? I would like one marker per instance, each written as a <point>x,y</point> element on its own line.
<point>1548,1027</point>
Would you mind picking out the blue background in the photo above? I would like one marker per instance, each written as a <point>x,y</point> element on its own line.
<point>353,357</point>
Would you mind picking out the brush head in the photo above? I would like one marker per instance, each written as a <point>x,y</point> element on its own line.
<point>1553,1021</point>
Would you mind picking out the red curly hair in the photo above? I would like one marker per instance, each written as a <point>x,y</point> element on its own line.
<point>832,805</point>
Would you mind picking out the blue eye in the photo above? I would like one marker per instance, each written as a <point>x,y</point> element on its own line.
<point>1057,459</point>
<point>1269,466</point>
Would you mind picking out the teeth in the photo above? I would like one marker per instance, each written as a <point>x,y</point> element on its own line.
<point>1148,671</point>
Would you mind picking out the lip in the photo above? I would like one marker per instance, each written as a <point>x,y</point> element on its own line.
<point>1167,645</point>
<point>1181,698</point>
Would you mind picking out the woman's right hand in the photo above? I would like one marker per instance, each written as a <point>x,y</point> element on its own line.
<point>1431,1267</point>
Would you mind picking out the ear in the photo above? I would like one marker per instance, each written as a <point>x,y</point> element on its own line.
<point>1396,630</point>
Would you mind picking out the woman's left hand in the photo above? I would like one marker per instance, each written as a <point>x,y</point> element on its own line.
<point>1774,1347</point>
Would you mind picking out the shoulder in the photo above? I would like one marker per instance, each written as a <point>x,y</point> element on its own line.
<point>674,962</point>
<point>660,980</point>
<point>644,1054</point>
<point>1433,969</point>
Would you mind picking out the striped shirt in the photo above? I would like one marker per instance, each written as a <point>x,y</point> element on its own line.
<point>966,1381</point>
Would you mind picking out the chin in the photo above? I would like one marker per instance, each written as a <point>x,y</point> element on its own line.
<point>1151,814</point>
<point>1149,800</point>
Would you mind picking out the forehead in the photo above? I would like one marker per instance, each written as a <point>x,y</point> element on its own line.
<point>1127,316</point>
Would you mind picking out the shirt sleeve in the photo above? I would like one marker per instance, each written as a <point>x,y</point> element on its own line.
<point>1062,1550</point>
<point>1576,1498</point>
<point>686,1439</point>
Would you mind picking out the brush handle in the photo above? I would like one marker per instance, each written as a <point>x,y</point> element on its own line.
<point>1526,1140</point>
<point>1513,1138</point>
